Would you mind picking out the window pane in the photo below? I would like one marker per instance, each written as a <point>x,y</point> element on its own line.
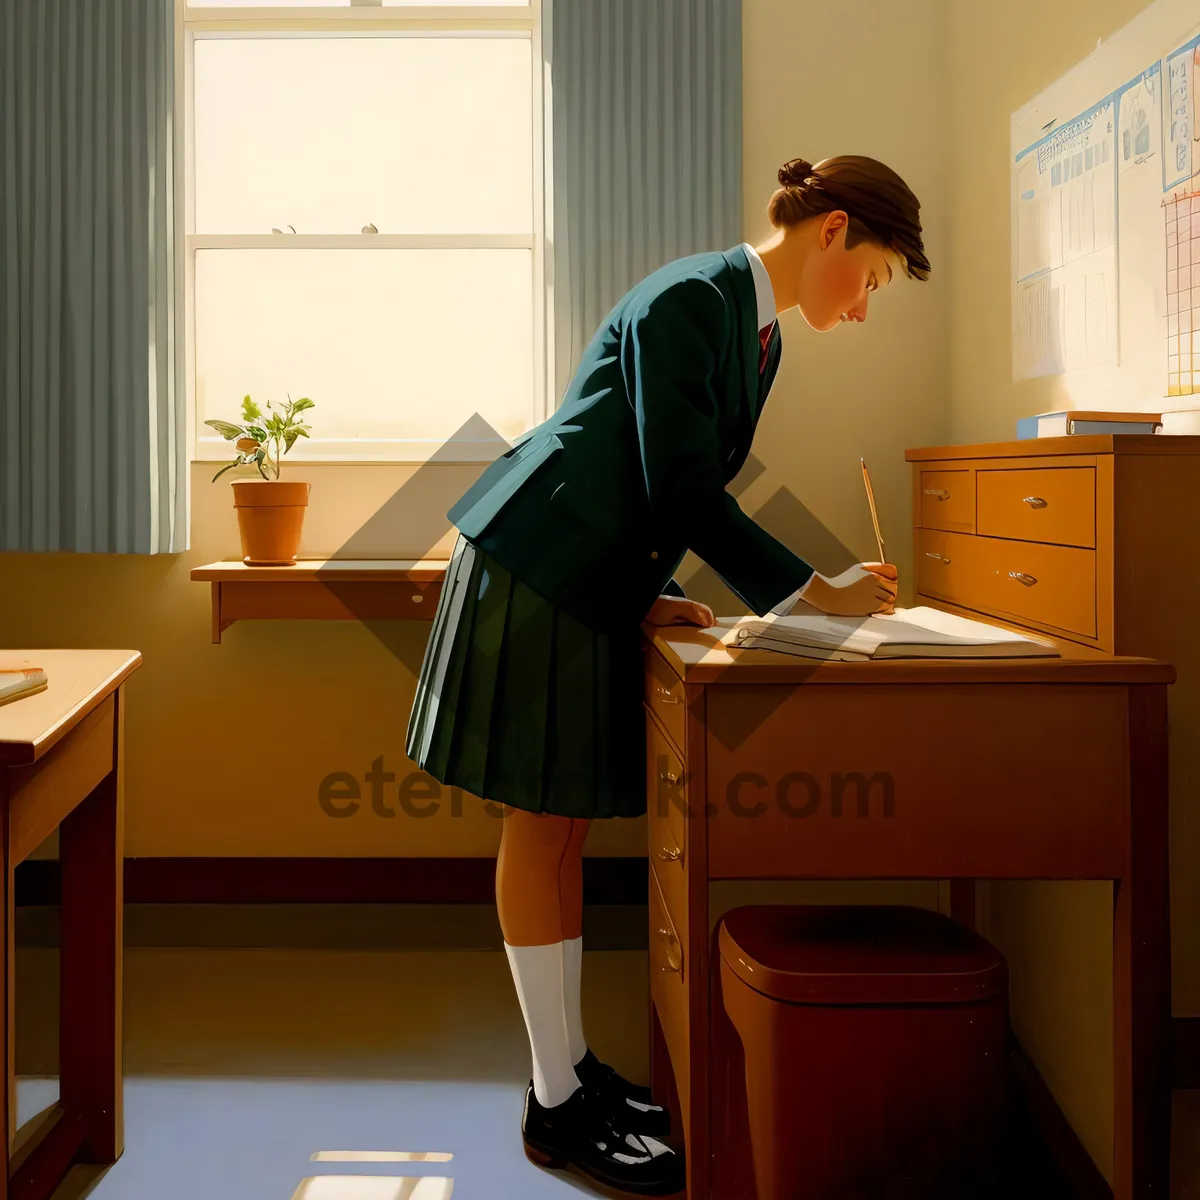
<point>414,134</point>
<point>389,343</point>
<point>346,3</point>
<point>268,3</point>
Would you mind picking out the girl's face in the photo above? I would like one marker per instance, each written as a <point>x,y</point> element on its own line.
<point>836,283</point>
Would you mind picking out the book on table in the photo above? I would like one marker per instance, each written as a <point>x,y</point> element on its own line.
<point>1083,423</point>
<point>908,633</point>
<point>17,682</point>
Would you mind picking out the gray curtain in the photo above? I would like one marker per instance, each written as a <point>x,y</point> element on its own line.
<point>93,441</point>
<point>647,148</point>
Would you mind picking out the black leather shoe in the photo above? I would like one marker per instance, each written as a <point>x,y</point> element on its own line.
<point>632,1101</point>
<point>584,1135</point>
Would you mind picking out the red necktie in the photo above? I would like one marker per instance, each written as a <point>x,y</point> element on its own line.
<point>764,340</point>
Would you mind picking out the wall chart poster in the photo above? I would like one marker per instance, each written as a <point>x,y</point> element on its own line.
<point>1065,315</point>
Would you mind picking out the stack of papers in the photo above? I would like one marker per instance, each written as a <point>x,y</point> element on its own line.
<point>909,633</point>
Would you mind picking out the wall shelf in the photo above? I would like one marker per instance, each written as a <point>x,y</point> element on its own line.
<point>323,590</point>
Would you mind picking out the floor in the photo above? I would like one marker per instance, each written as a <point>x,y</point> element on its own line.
<point>243,1064</point>
<point>311,1073</point>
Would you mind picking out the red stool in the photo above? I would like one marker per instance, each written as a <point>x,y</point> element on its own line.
<point>874,1044</point>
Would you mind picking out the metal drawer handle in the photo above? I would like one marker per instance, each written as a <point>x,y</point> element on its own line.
<point>940,493</point>
<point>664,694</point>
<point>668,776</point>
<point>939,557</point>
<point>1020,576</point>
<point>1034,501</point>
<point>669,937</point>
<point>672,855</point>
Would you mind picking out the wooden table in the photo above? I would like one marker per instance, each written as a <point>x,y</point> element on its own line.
<point>61,767</point>
<point>769,766</point>
<point>323,589</point>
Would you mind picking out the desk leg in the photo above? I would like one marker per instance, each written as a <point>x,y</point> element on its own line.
<point>91,848</point>
<point>962,901</point>
<point>8,1093</point>
<point>660,1059</point>
<point>1141,964</point>
<point>662,1074</point>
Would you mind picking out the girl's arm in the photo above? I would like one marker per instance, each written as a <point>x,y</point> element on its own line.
<point>669,356</point>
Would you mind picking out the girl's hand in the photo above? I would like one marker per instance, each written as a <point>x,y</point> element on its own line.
<point>675,610</point>
<point>860,590</point>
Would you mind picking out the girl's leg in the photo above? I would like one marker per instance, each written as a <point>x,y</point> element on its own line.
<point>571,904</point>
<point>529,902</point>
<point>653,1118</point>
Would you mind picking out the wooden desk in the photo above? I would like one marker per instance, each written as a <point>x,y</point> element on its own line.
<point>61,767</point>
<point>323,589</point>
<point>767,766</point>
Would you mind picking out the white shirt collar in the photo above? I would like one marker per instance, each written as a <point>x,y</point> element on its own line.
<point>763,291</point>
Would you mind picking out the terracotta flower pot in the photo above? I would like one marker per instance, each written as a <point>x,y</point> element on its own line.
<point>270,517</point>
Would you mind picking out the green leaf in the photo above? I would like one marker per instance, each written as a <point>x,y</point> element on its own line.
<point>227,430</point>
<point>250,410</point>
<point>257,432</point>
<point>303,403</point>
<point>290,438</point>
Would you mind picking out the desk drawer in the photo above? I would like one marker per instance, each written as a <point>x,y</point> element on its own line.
<point>667,795</point>
<point>947,500</point>
<point>897,780</point>
<point>668,989</point>
<point>1054,586</point>
<point>665,696</point>
<point>1048,504</point>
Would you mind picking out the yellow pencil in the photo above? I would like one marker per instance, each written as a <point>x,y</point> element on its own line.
<point>874,514</point>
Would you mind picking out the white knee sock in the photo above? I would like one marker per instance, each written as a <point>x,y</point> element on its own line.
<point>538,973</point>
<point>572,990</point>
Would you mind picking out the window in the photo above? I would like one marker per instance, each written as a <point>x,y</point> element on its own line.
<point>364,223</point>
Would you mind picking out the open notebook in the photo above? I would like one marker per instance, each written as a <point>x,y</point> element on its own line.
<point>909,633</point>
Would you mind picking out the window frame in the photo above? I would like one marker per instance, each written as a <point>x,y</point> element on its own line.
<point>363,18</point>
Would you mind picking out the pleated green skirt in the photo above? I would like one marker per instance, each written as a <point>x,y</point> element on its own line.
<point>520,703</point>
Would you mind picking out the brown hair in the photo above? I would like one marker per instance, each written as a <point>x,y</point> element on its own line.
<point>880,205</point>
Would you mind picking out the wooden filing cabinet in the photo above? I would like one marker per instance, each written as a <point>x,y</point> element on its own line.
<point>1091,539</point>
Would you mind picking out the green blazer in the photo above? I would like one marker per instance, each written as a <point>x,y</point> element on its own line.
<point>595,507</point>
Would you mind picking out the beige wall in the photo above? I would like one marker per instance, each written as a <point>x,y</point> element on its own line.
<point>1001,57</point>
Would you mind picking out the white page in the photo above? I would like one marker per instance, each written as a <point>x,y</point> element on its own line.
<point>915,626</point>
<point>956,626</point>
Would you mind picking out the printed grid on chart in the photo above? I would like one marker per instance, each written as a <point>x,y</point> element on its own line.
<point>1183,294</point>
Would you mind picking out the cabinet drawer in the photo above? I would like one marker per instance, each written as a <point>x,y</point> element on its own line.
<point>668,989</point>
<point>948,500</point>
<point>1053,586</point>
<point>667,794</point>
<point>1047,504</point>
<point>948,565</point>
<point>665,696</point>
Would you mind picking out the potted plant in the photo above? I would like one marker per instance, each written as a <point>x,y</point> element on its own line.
<point>270,510</point>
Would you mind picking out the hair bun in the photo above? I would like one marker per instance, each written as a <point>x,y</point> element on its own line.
<point>795,172</point>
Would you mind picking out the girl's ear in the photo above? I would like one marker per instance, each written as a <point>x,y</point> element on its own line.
<point>831,226</point>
